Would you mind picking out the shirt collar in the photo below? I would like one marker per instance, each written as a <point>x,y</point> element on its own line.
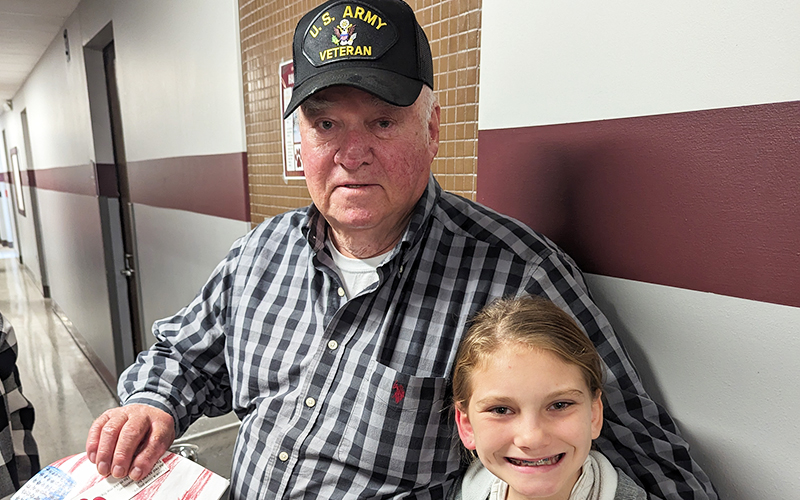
<point>315,226</point>
<point>421,215</point>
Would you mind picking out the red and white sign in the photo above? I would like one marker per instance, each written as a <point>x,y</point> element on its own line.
<point>290,138</point>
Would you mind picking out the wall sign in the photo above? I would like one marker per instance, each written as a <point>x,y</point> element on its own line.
<point>290,127</point>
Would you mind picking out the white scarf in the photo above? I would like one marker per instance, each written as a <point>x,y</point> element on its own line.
<point>598,480</point>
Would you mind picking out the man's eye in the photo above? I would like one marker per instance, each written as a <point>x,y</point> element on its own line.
<point>326,124</point>
<point>384,123</point>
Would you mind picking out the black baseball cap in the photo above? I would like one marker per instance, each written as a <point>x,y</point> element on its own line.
<point>373,45</point>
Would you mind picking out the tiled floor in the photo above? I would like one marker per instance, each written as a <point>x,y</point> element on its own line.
<point>66,392</point>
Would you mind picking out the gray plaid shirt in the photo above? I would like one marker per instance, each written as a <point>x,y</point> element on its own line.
<point>349,398</point>
<point>19,456</point>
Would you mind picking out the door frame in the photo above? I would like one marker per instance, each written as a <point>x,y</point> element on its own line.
<point>116,209</point>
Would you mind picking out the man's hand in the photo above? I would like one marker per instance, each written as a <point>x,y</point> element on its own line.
<point>129,440</point>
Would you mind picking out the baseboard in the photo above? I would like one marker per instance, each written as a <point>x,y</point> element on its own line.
<point>105,374</point>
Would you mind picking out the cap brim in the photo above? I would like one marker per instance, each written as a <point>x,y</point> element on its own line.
<point>389,86</point>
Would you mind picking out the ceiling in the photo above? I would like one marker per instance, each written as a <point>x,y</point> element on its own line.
<point>27,27</point>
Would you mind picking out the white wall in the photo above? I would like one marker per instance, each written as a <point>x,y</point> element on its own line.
<point>725,368</point>
<point>11,122</point>
<point>57,104</point>
<point>6,215</point>
<point>169,245</point>
<point>179,77</point>
<point>56,100</point>
<point>180,82</point>
<point>76,266</point>
<point>579,60</point>
<point>27,240</point>
<point>7,203</point>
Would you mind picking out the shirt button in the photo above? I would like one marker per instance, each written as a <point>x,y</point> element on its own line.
<point>283,456</point>
<point>332,345</point>
<point>401,269</point>
<point>340,291</point>
<point>310,402</point>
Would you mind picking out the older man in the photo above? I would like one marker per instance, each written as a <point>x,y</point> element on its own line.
<point>330,330</point>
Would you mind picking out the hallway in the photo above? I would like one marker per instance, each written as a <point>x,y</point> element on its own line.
<point>66,392</point>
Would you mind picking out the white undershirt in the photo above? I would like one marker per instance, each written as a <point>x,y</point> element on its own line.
<point>357,274</point>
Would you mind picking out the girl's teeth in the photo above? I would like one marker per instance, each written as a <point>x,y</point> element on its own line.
<point>536,463</point>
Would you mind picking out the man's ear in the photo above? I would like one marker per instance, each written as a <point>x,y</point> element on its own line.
<point>597,415</point>
<point>433,130</point>
<point>465,429</point>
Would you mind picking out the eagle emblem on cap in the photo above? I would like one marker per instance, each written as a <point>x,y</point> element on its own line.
<point>344,33</point>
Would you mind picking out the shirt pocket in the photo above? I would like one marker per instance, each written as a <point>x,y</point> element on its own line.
<point>395,425</point>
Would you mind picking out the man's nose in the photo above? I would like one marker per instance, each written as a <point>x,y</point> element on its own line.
<point>354,149</point>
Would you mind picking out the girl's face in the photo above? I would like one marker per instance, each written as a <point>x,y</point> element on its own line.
<point>531,419</point>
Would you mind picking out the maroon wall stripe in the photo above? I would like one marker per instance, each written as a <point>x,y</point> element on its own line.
<point>705,200</point>
<point>92,180</point>
<point>82,179</point>
<point>76,180</point>
<point>212,184</point>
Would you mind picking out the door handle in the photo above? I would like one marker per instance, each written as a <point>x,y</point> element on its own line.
<point>128,271</point>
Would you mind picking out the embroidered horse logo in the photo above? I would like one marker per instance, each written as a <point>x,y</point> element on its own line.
<point>398,392</point>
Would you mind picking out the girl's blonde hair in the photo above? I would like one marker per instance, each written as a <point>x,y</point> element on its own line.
<point>528,322</point>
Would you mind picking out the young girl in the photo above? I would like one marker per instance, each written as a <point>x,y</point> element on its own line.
<point>526,388</point>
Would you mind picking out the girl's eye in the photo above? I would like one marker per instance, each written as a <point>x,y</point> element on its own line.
<point>500,410</point>
<point>561,405</point>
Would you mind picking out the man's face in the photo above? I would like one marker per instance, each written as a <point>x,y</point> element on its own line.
<point>366,162</point>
